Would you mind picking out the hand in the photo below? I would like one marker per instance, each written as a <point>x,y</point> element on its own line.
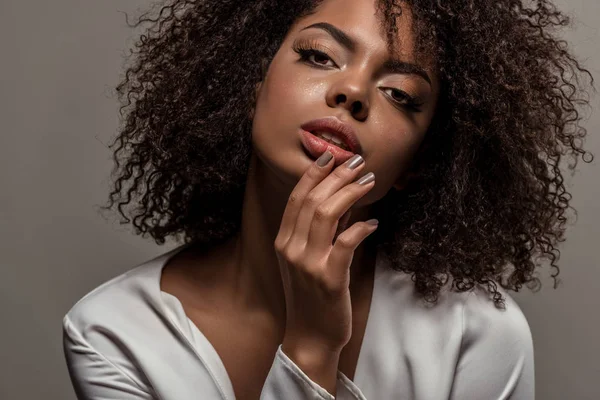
<point>315,272</point>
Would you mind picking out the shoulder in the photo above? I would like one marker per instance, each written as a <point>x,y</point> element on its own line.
<point>497,343</point>
<point>119,340</point>
<point>120,320</point>
<point>119,299</point>
<point>481,319</point>
<point>496,354</point>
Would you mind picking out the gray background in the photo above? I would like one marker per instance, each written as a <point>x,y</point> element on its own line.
<point>60,61</point>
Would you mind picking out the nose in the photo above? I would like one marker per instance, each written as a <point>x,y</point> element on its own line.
<point>352,94</point>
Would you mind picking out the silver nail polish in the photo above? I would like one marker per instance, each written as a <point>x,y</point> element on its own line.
<point>370,177</point>
<point>355,161</point>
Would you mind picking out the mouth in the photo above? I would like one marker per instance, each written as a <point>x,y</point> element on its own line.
<point>332,139</point>
<point>335,132</point>
<point>315,146</point>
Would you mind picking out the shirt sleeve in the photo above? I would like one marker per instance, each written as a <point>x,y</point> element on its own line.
<point>497,353</point>
<point>93,376</point>
<point>287,381</point>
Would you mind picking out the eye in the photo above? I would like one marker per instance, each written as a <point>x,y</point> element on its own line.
<point>307,51</point>
<point>404,99</point>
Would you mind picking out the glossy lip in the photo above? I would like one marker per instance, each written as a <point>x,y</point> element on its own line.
<point>315,146</point>
<point>338,128</point>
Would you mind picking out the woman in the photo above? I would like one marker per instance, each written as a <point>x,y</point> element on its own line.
<point>270,135</point>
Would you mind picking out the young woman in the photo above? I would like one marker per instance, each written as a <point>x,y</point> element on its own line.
<point>273,136</point>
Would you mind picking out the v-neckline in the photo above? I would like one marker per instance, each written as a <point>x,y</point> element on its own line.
<point>215,364</point>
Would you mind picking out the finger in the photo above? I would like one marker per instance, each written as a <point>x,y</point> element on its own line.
<point>343,223</point>
<point>342,253</point>
<point>327,217</point>
<point>341,177</point>
<point>311,178</point>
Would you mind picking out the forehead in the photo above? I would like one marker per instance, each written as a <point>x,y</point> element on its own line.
<point>361,20</point>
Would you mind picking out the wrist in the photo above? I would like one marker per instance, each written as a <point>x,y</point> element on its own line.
<point>310,352</point>
<point>316,360</point>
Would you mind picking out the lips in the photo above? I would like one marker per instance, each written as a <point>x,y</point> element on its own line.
<point>316,146</point>
<point>338,128</point>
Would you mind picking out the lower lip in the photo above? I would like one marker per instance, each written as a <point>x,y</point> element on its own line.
<point>317,146</point>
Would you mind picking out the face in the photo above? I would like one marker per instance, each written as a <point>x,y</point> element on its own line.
<point>352,84</point>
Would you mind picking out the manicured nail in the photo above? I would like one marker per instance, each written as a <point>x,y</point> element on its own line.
<point>355,161</point>
<point>324,159</point>
<point>370,177</point>
<point>372,222</point>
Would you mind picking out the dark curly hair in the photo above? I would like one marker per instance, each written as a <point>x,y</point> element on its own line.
<point>490,194</point>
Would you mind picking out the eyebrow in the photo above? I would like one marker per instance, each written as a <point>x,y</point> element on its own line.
<point>394,65</point>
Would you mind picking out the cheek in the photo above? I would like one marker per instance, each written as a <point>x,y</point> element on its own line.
<point>282,106</point>
<point>284,91</point>
<point>286,100</point>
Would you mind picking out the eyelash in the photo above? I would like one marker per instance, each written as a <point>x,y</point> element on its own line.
<point>306,51</point>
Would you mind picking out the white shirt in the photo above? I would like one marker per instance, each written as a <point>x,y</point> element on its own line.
<point>127,339</point>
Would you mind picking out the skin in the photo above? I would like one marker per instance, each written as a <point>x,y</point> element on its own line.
<point>241,279</point>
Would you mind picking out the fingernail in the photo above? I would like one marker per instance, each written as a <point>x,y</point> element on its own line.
<point>324,159</point>
<point>355,161</point>
<point>372,222</point>
<point>370,177</point>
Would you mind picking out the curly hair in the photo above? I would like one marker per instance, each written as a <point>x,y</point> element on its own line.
<point>490,194</point>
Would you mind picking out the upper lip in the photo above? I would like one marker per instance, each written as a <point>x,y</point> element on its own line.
<point>337,127</point>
